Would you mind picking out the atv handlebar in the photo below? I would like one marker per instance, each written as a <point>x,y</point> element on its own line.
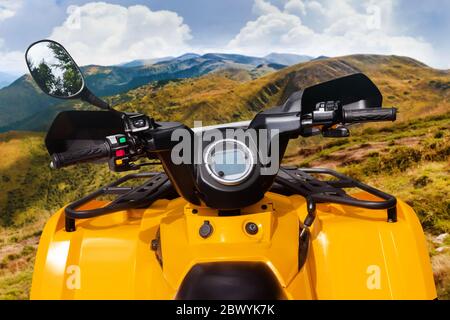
<point>287,123</point>
<point>90,153</point>
<point>369,115</point>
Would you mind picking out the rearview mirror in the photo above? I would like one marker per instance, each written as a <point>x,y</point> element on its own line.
<point>57,74</point>
<point>54,70</point>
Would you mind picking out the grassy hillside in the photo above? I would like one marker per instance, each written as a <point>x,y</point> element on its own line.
<point>409,158</point>
<point>21,99</point>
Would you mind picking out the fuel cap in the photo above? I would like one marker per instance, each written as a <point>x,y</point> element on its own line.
<point>205,230</point>
<point>251,228</point>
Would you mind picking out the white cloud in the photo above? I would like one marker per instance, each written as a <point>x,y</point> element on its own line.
<point>12,62</point>
<point>329,27</point>
<point>295,7</point>
<point>261,7</point>
<point>102,33</point>
<point>8,8</point>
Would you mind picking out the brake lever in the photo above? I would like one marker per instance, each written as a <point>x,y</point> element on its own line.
<point>308,131</point>
<point>339,131</point>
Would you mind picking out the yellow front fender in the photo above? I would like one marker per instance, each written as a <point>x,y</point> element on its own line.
<point>354,253</point>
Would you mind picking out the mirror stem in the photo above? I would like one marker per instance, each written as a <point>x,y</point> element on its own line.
<point>91,98</point>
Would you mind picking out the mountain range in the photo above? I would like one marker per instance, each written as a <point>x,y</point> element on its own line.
<point>21,102</point>
<point>286,59</point>
<point>25,107</point>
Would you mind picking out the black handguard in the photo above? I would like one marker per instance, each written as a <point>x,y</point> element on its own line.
<point>91,153</point>
<point>369,115</point>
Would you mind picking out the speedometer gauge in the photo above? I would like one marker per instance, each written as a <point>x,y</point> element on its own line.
<point>229,161</point>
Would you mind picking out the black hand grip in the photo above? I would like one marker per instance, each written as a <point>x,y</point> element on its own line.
<point>91,153</point>
<point>369,115</point>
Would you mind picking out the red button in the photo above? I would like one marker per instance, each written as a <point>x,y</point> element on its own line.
<point>120,153</point>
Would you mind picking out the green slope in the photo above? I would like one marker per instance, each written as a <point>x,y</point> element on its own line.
<point>20,100</point>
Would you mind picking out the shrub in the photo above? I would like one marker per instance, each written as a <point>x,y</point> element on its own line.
<point>439,135</point>
<point>400,158</point>
<point>12,256</point>
<point>27,250</point>
<point>421,182</point>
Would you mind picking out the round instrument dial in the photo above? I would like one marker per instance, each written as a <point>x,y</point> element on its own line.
<point>229,161</point>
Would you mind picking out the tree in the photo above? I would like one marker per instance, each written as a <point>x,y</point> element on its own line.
<point>44,76</point>
<point>71,80</point>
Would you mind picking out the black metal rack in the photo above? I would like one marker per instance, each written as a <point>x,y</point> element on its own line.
<point>301,181</point>
<point>157,186</point>
<point>292,180</point>
<point>288,181</point>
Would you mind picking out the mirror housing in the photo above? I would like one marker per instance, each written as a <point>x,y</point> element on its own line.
<point>57,74</point>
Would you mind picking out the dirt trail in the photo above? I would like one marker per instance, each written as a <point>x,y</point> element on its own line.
<point>17,247</point>
<point>347,155</point>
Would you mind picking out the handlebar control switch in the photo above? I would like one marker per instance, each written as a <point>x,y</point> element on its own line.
<point>120,160</point>
<point>325,112</point>
<point>117,141</point>
<point>120,165</point>
<point>137,122</point>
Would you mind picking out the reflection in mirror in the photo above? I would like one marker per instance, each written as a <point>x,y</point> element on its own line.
<point>54,70</point>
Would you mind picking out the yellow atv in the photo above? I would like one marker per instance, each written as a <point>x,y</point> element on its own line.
<point>225,220</point>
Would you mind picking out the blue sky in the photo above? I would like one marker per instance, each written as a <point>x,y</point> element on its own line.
<point>115,31</point>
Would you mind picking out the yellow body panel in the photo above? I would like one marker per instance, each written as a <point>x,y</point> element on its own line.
<point>354,253</point>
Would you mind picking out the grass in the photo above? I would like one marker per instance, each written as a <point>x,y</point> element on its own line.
<point>17,253</point>
<point>16,286</point>
<point>426,187</point>
<point>410,160</point>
